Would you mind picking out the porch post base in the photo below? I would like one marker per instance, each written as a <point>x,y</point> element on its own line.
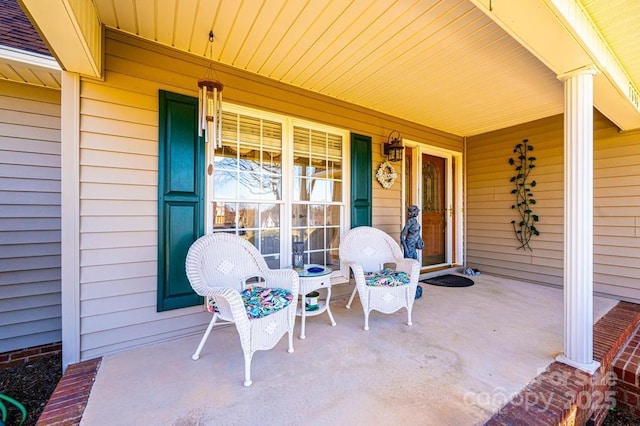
<point>589,368</point>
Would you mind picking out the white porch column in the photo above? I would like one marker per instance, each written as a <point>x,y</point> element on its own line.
<point>578,220</point>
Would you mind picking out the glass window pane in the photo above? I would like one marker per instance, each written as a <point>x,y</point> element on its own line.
<point>300,140</point>
<point>301,165</point>
<point>269,216</point>
<point>271,133</point>
<point>249,235</point>
<point>334,145</point>
<point>299,215</point>
<point>333,259</point>
<point>249,159</point>
<point>316,239</point>
<point>226,157</point>
<point>333,215</point>
<point>300,235</point>
<point>224,184</point>
<point>273,262</point>
<point>318,168</point>
<point>318,190</point>
<point>334,168</point>
<point>249,129</point>
<point>335,190</point>
<point>272,161</point>
<point>271,188</point>
<point>248,216</point>
<point>316,215</point>
<point>224,215</point>
<point>301,189</point>
<point>250,185</point>
<point>333,238</point>
<point>318,142</point>
<point>229,126</point>
<point>270,241</point>
<point>317,258</point>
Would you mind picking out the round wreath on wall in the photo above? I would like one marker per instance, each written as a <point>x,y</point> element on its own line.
<point>386,175</point>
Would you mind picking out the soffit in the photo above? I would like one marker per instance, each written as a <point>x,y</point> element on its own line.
<point>20,66</point>
<point>617,22</point>
<point>443,64</point>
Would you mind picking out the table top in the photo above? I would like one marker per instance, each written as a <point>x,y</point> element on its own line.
<point>322,270</point>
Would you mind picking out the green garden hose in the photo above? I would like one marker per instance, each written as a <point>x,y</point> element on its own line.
<point>14,402</point>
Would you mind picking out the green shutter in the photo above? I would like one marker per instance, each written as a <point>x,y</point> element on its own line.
<point>180,197</point>
<point>360,180</point>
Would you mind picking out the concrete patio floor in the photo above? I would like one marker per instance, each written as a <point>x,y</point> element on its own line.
<point>469,350</point>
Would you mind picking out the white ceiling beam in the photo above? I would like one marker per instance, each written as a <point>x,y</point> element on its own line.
<point>72,31</point>
<point>561,34</point>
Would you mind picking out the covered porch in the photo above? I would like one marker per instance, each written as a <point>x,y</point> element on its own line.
<point>465,80</point>
<point>469,352</point>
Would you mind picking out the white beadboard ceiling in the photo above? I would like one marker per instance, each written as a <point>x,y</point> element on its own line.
<point>617,21</point>
<point>441,63</point>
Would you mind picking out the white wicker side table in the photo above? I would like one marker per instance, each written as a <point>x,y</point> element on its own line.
<point>319,277</point>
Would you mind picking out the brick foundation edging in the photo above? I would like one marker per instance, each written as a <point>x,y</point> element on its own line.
<point>563,395</point>
<point>626,367</point>
<point>69,399</point>
<point>21,356</point>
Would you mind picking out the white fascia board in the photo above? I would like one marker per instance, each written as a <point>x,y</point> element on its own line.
<point>31,59</point>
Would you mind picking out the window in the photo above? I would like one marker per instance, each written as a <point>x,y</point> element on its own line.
<point>317,194</point>
<point>277,180</point>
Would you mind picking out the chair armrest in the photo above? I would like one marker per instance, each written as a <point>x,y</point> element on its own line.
<point>356,268</point>
<point>410,266</point>
<point>229,303</point>
<point>358,274</point>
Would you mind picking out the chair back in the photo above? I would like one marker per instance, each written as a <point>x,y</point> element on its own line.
<point>369,247</point>
<point>222,260</point>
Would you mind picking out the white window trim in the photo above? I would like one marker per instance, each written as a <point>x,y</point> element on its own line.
<point>288,123</point>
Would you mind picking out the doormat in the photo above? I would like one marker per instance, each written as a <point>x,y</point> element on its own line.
<point>449,280</point>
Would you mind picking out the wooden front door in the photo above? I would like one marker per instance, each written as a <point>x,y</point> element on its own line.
<point>433,210</point>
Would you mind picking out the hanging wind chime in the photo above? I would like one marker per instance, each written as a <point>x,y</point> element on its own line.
<point>210,105</point>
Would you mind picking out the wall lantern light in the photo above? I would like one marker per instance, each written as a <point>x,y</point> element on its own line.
<point>393,147</point>
<point>210,104</point>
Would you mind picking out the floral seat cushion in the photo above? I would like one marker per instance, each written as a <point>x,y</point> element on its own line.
<point>387,277</point>
<point>260,301</point>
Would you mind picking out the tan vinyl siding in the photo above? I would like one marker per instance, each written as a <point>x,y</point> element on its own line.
<point>491,244</point>
<point>118,181</point>
<point>30,307</point>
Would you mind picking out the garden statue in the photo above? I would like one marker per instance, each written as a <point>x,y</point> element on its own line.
<point>410,236</point>
<point>411,239</point>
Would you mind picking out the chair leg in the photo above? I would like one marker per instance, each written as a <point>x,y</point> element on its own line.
<point>247,369</point>
<point>366,320</point>
<point>353,295</point>
<point>290,332</point>
<point>409,316</point>
<point>196,355</point>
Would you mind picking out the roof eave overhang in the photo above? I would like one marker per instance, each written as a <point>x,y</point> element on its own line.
<point>26,67</point>
<point>561,34</point>
<point>72,31</point>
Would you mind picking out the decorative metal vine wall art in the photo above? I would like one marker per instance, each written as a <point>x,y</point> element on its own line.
<point>524,228</point>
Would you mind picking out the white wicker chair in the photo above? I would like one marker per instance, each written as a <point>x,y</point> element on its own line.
<point>365,249</point>
<point>218,266</point>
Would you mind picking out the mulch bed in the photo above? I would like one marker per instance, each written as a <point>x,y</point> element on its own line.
<point>31,384</point>
<point>621,418</point>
